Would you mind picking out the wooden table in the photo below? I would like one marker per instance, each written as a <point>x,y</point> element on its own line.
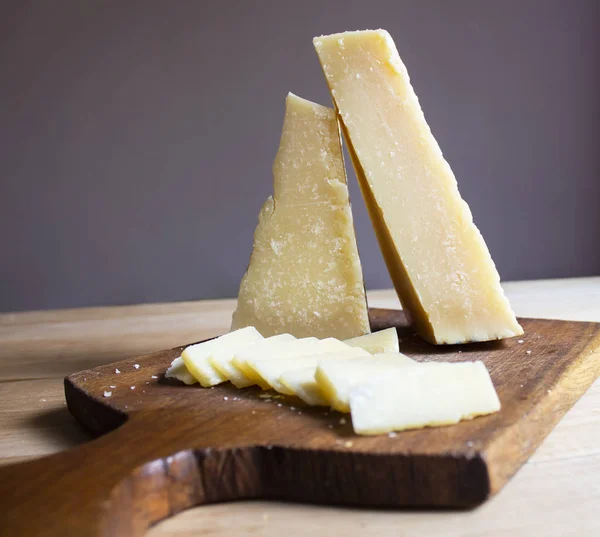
<point>556,494</point>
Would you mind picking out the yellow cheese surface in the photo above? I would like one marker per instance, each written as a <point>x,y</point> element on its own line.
<point>304,275</point>
<point>336,380</point>
<point>197,357</point>
<point>377,342</point>
<point>179,371</point>
<point>438,260</point>
<point>426,395</point>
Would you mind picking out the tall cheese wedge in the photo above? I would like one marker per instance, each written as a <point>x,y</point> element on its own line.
<point>304,276</point>
<point>438,260</point>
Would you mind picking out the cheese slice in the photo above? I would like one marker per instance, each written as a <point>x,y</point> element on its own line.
<point>426,395</point>
<point>256,365</point>
<point>335,380</point>
<point>301,382</point>
<point>272,371</point>
<point>377,342</point>
<point>304,275</point>
<point>437,259</point>
<point>197,357</point>
<point>224,362</point>
<point>279,346</point>
<point>179,372</point>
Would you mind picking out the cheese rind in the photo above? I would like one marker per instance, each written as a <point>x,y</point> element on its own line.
<point>179,371</point>
<point>427,395</point>
<point>438,260</point>
<point>197,357</point>
<point>336,380</point>
<point>304,275</point>
<point>377,342</point>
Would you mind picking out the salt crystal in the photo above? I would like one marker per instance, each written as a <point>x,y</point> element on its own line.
<point>348,443</point>
<point>392,434</point>
<point>117,371</point>
<point>520,341</point>
<point>528,352</point>
<point>136,366</point>
<point>154,377</point>
<point>107,394</point>
<point>113,387</point>
<point>132,388</point>
<point>226,398</point>
<point>343,421</point>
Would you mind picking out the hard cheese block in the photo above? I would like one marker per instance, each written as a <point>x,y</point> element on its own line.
<point>197,357</point>
<point>336,380</point>
<point>179,371</point>
<point>304,275</point>
<point>438,260</point>
<point>378,342</point>
<point>426,395</point>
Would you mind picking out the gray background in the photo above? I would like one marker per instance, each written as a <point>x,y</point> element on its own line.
<point>137,137</point>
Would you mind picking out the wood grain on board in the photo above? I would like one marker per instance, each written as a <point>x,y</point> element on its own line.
<point>179,446</point>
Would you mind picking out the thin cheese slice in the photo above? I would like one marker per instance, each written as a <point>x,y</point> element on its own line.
<point>179,371</point>
<point>226,365</point>
<point>197,357</point>
<point>377,342</point>
<point>301,382</point>
<point>335,380</point>
<point>266,378</point>
<point>426,395</point>
<point>271,371</point>
<point>304,275</point>
<point>437,259</point>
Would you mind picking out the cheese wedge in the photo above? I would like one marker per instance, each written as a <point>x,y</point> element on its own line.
<point>271,371</point>
<point>301,382</point>
<point>335,380</point>
<point>254,362</point>
<point>179,372</point>
<point>304,276</point>
<point>426,395</point>
<point>197,357</point>
<point>377,342</point>
<point>224,364</point>
<point>437,259</point>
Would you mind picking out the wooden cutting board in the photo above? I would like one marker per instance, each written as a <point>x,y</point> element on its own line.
<point>175,446</point>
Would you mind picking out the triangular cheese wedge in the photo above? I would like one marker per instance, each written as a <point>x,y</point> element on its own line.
<point>304,276</point>
<point>437,259</point>
<point>377,342</point>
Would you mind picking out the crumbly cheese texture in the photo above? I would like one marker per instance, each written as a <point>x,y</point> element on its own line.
<point>335,380</point>
<point>305,276</point>
<point>427,395</point>
<point>179,371</point>
<point>438,260</point>
<point>377,342</point>
<point>197,357</point>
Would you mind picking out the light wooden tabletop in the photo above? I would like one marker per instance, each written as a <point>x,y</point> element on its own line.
<point>556,494</point>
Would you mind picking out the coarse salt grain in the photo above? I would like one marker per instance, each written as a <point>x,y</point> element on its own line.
<point>225,398</point>
<point>113,387</point>
<point>520,341</point>
<point>136,366</point>
<point>528,352</point>
<point>117,371</point>
<point>132,388</point>
<point>392,434</point>
<point>154,377</point>
<point>343,421</point>
<point>107,394</point>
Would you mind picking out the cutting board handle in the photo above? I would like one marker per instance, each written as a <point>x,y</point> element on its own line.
<point>96,494</point>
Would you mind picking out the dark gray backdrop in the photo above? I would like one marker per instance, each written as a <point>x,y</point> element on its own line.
<point>136,137</point>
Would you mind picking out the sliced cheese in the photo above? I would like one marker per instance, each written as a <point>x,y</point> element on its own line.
<point>335,380</point>
<point>197,357</point>
<point>427,395</point>
<point>272,371</point>
<point>224,363</point>
<point>301,382</point>
<point>438,260</point>
<point>304,275</point>
<point>179,371</point>
<point>279,346</point>
<point>256,365</point>
<point>377,342</point>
